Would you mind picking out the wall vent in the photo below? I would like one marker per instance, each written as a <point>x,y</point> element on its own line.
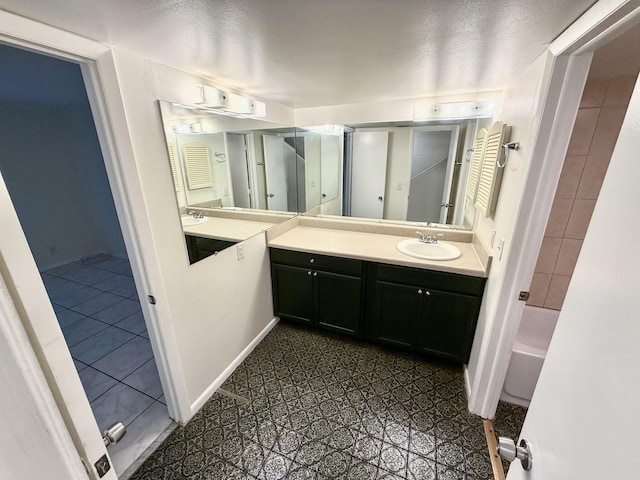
<point>197,161</point>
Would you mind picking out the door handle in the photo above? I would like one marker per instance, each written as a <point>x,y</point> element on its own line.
<point>508,451</point>
<point>271,195</point>
<point>113,434</point>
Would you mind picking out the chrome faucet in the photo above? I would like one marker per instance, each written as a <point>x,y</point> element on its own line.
<point>195,214</point>
<point>428,238</point>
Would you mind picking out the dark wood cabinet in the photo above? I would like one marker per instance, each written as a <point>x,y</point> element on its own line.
<point>319,290</point>
<point>424,311</point>
<point>202,247</point>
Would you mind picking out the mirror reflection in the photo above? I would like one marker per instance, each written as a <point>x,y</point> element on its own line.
<point>233,177</point>
<point>410,172</point>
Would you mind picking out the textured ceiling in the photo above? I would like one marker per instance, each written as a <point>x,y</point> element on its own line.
<point>325,52</point>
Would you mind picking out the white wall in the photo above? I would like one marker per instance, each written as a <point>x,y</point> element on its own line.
<point>523,108</point>
<point>218,305</point>
<point>54,171</point>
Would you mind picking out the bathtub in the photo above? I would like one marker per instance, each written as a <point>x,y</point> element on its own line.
<point>528,353</point>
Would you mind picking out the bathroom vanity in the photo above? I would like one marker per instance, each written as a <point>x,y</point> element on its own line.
<point>356,283</point>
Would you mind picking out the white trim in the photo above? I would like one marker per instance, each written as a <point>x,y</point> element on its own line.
<point>211,389</point>
<point>598,19</point>
<point>101,81</point>
<point>26,365</point>
<point>567,77</point>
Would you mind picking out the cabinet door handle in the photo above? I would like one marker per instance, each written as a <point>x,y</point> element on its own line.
<point>312,260</point>
<point>315,274</point>
<point>427,293</point>
<point>309,273</point>
<point>419,292</point>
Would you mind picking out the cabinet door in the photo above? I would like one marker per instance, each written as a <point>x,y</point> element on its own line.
<point>338,301</point>
<point>293,292</point>
<point>396,314</point>
<point>447,325</point>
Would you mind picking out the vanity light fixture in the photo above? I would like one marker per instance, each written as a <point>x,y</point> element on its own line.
<point>456,110</point>
<point>229,103</point>
<point>335,130</point>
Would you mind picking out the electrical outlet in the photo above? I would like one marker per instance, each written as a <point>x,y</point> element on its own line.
<point>313,183</point>
<point>493,239</point>
<point>240,250</point>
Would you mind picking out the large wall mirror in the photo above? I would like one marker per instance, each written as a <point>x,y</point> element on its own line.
<point>409,172</point>
<point>233,177</point>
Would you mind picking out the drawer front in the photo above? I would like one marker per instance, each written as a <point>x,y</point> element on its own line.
<point>450,282</point>
<point>316,262</point>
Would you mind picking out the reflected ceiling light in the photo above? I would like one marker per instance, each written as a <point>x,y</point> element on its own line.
<point>231,103</point>
<point>456,110</point>
<point>335,130</point>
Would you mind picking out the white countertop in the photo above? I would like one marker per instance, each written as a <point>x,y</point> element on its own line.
<point>376,248</point>
<point>227,228</point>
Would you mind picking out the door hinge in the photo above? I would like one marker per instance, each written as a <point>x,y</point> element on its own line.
<point>152,299</point>
<point>524,296</point>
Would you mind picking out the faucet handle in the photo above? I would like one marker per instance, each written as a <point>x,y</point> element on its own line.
<point>421,236</point>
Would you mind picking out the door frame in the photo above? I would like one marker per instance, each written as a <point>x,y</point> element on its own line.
<point>100,77</point>
<point>567,67</point>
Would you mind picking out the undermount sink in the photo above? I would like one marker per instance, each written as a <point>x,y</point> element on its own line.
<point>188,220</point>
<point>428,251</point>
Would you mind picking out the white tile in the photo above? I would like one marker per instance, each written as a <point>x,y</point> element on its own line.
<point>146,379</point>
<point>97,303</point>
<point>95,383</point>
<point>102,343</point>
<point>120,403</point>
<point>133,323</point>
<point>81,295</point>
<point>113,282</point>
<point>117,311</point>
<point>141,433</point>
<point>68,317</point>
<point>125,359</point>
<point>82,330</point>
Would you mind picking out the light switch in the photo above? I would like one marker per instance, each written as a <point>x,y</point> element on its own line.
<point>240,250</point>
<point>399,186</point>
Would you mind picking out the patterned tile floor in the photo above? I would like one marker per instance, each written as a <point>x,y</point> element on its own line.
<point>323,407</point>
<point>508,423</point>
<point>97,307</point>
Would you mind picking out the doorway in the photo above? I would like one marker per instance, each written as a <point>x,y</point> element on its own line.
<point>55,174</point>
<point>607,92</point>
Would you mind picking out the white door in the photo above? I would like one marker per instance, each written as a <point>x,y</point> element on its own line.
<point>275,172</point>
<point>369,174</point>
<point>433,154</point>
<point>583,421</point>
<point>239,169</point>
<point>330,165</point>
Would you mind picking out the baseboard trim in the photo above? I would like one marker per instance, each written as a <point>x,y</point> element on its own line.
<point>208,393</point>
<point>467,382</point>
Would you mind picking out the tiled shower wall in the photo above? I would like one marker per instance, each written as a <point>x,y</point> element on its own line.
<point>598,123</point>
